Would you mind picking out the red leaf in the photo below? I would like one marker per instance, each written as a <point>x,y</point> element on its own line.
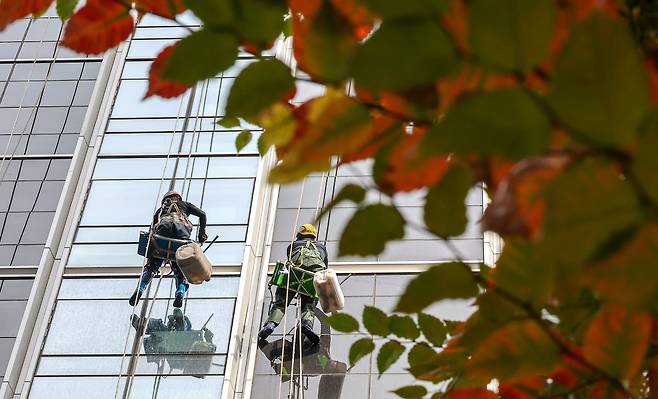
<point>359,16</point>
<point>12,10</point>
<point>163,8</point>
<point>98,26</point>
<point>617,340</point>
<point>159,86</point>
<point>516,208</point>
<point>384,130</point>
<point>407,170</point>
<point>603,390</point>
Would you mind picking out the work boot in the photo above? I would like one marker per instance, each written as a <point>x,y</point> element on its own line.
<point>308,332</point>
<point>267,330</point>
<point>134,298</point>
<point>180,293</point>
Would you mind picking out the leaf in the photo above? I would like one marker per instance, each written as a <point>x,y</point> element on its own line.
<point>403,54</point>
<point>617,340</point>
<point>473,393</point>
<point>444,281</point>
<point>390,9</point>
<point>375,321</point>
<point>511,34</point>
<point>279,125</point>
<point>258,87</point>
<point>370,229</point>
<point>389,353</point>
<point>212,53</point>
<point>163,8</point>
<point>411,392</point>
<point>445,203</point>
<point>524,272</point>
<point>630,270</point>
<point>403,327</point>
<point>433,329</point>
<point>645,162</point>
<point>599,87</point>
<point>360,349</point>
<point>349,192</point>
<point>574,210</point>
<point>65,8</point>
<point>444,365</point>
<point>157,84</point>
<point>213,13</point>
<point>13,10</point>
<point>229,122</point>
<point>324,42</point>
<point>516,351</point>
<point>421,354</point>
<point>98,26</point>
<point>242,140</point>
<point>502,122</point>
<point>343,322</point>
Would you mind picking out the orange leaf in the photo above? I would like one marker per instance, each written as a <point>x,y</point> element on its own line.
<point>407,170</point>
<point>469,394</point>
<point>384,130</point>
<point>163,8</point>
<point>517,208</point>
<point>416,104</point>
<point>98,26</point>
<point>159,86</point>
<point>617,340</point>
<point>455,21</point>
<point>359,16</point>
<point>12,10</point>
<point>603,390</point>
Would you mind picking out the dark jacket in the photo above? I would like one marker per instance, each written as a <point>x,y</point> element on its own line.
<point>321,248</point>
<point>189,209</point>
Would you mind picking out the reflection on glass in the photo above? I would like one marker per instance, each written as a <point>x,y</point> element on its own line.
<point>296,366</point>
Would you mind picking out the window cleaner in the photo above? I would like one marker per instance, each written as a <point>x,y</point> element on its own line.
<point>170,229</point>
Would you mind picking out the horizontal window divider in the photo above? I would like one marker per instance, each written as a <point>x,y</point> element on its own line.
<point>178,178</point>
<point>17,272</point>
<point>177,155</point>
<point>48,59</point>
<point>386,267</point>
<point>159,298</point>
<point>131,271</point>
<point>19,157</point>
<point>119,355</point>
<point>136,242</point>
<point>145,226</point>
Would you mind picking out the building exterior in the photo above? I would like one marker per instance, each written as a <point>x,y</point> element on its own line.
<point>85,162</point>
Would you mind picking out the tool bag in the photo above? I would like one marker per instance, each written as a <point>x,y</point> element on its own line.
<point>329,292</point>
<point>172,221</point>
<point>193,263</point>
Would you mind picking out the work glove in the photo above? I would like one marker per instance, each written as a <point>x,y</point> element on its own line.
<point>202,237</point>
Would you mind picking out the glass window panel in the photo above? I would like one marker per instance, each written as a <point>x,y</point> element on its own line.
<point>8,51</point>
<point>50,120</point>
<point>25,94</point>
<point>15,120</point>
<point>12,314</point>
<point>83,92</point>
<point>65,71</point>
<point>224,143</point>
<point>228,201</point>
<point>58,169</point>
<point>105,255</point>
<point>42,144</point>
<point>6,345</point>
<point>58,93</point>
<point>109,365</point>
<point>6,192</point>
<point>37,228</point>
<point>6,254</point>
<point>145,143</point>
<point>144,125</point>
<point>136,70</point>
<point>141,168</point>
<point>25,195</point>
<point>225,253</point>
<point>75,119</point>
<point>233,167</point>
<point>148,48</point>
<point>14,225</point>
<point>28,255</point>
<point>108,234</point>
<point>34,169</point>
<point>160,33</point>
<point>15,31</point>
<point>90,70</point>
<point>43,29</point>
<point>16,289</point>
<point>30,71</point>
<point>129,102</point>
<point>32,50</point>
<point>67,144</point>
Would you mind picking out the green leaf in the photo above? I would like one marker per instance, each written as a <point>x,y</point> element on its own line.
<point>617,341</point>
<point>201,55</point>
<point>511,34</point>
<point>411,392</point>
<point>279,126</point>
<point>433,329</point>
<point>343,322</point>
<point>349,192</point>
<point>369,230</point>
<point>503,122</point>
<point>443,365</point>
<point>65,8</point>
<point>360,349</point>
<point>242,140</point>
<point>258,86</point>
<point>577,220</point>
<point>516,351</point>
<point>645,161</point>
<point>375,321</point>
<point>389,9</point>
<point>599,86</point>
<point>213,13</point>
<point>444,281</point>
<point>229,122</point>
<point>389,353</point>
<point>524,272</point>
<point>404,327</point>
<point>403,54</point>
<point>445,203</point>
<point>421,354</point>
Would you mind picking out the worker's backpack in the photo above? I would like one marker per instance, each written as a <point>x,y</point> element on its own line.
<point>172,221</point>
<point>307,256</point>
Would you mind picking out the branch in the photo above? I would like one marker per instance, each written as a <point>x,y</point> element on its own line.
<point>129,6</point>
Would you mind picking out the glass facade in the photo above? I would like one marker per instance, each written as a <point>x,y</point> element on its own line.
<point>89,343</point>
